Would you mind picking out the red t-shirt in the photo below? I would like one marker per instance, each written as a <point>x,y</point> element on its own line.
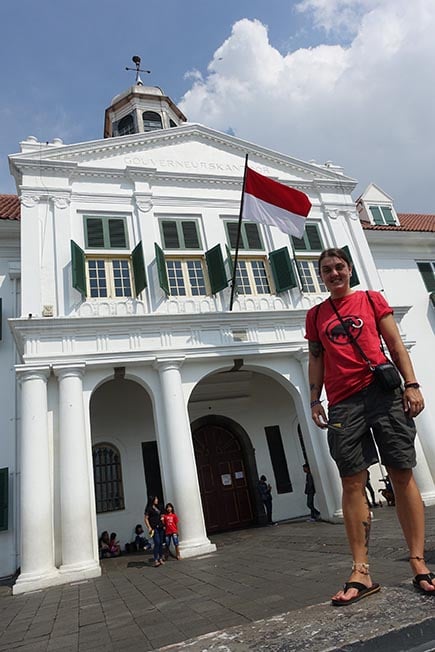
<point>346,372</point>
<point>170,521</point>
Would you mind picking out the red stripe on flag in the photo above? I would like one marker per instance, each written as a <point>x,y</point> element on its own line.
<point>276,193</point>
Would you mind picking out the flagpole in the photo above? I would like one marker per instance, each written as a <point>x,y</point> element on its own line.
<point>233,280</point>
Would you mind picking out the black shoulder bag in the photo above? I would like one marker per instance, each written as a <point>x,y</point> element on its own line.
<point>386,373</point>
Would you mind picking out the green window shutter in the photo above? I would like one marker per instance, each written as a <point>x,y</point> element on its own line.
<point>216,269</point>
<point>230,261</point>
<point>170,234</point>
<point>190,235</point>
<point>282,269</point>
<point>354,280</point>
<point>388,215</point>
<point>428,276</point>
<point>117,239</point>
<point>137,259</point>
<point>161,269</point>
<point>253,236</point>
<point>4,498</point>
<point>94,232</point>
<point>78,268</point>
<point>313,237</point>
<point>377,215</point>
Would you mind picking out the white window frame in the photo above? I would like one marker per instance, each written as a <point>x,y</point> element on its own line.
<point>312,278</point>
<point>109,276</point>
<point>184,261</point>
<point>248,262</point>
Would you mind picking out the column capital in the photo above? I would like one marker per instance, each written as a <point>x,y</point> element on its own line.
<point>24,372</point>
<point>165,364</point>
<point>69,371</point>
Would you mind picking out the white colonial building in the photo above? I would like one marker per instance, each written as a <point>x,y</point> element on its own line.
<point>124,373</point>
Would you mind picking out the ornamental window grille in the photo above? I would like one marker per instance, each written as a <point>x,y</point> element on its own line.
<point>109,491</point>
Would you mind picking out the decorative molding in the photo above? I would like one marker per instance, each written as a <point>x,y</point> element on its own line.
<point>144,201</point>
<point>29,200</point>
<point>61,201</point>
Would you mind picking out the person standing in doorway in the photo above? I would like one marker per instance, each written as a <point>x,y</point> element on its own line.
<point>310,490</point>
<point>362,407</point>
<point>265,491</point>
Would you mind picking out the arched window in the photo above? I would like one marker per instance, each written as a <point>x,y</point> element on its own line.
<point>126,126</point>
<point>151,121</point>
<point>109,492</point>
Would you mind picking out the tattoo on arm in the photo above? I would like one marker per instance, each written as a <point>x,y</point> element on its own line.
<point>315,348</point>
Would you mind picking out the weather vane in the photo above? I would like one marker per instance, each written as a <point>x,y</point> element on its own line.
<point>136,60</point>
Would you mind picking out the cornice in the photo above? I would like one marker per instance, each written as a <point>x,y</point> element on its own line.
<point>127,144</point>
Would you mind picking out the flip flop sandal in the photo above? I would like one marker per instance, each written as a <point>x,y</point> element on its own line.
<point>363,592</point>
<point>427,577</point>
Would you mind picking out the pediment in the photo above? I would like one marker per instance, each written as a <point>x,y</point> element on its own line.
<point>190,149</point>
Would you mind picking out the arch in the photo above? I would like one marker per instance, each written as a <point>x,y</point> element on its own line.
<point>151,120</point>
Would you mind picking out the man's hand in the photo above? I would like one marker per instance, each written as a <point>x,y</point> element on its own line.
<point>413,401</point>
<point>318,415</point>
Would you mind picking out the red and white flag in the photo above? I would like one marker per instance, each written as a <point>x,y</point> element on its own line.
<point>268,202</point>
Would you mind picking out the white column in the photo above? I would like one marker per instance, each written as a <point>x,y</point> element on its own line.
<point>178,457</point>
<point>330,485</point>
<point>37,540</point>
<point>78,558</point>
<point>423,475</point>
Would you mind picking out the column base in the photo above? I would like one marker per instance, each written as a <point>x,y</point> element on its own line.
<point>196,548</point>
<point>32,582</point>
<point>80,568</point>
<point>428,498</point>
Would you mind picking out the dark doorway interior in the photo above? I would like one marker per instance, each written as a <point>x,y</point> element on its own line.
<point>151,466</point>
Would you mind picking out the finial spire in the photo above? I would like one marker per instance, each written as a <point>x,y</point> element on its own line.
<point>136,60</point>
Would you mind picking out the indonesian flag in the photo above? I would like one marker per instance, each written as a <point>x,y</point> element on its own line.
<point>269,202</point>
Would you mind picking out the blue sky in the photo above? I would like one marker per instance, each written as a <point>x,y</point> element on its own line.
<point>341,80</point>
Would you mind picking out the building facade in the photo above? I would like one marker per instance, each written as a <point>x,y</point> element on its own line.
<point>133,376</point>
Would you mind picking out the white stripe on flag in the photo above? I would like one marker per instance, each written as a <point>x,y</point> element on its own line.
<point>258,210</point>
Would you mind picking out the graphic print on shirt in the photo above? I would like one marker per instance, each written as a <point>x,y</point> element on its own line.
<point>338,333</point>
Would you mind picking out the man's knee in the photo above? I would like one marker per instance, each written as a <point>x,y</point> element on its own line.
<point>355,483</point>
<point>401,478</point>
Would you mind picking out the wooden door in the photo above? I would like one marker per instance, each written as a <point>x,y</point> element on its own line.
<point>222,479</point>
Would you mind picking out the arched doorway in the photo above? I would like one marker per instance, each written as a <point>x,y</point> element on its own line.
<point>225,475</point>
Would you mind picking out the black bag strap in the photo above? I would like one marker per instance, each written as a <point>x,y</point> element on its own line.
<point>376,321</point>
<point>350,336</point>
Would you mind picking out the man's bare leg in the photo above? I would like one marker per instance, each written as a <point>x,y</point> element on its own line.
<point>410,512</point>
<point>356,514</point>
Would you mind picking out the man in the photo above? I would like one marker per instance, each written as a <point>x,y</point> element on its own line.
<point>265,491</point>
<point>343,333</point>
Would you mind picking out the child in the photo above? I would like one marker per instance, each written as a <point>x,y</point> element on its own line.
<point>170,521</point>
<point>104,545</point>
<point>114,547</point>
<point>139,538</point>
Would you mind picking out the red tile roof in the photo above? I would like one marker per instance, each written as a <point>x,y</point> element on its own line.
<point>408,222</point>
<point>9,207</point>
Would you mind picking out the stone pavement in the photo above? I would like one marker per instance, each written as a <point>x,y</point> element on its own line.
<point>264,589</point>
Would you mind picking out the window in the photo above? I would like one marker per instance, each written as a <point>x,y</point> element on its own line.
<point>427,271</point>
<point>151,121</point>
<point>382,215</point>
<point>251,277</point>
<point>306,250</point>
<point>278,459</point>
<point>126,126</point>
<point>310,241</point>
<point>249,235</point>
<point>180,234</point>
<point>186,277</point>
<point>109,492</point>
<point>108,277</point>
<point>105,232</point>
<point>311,281</point>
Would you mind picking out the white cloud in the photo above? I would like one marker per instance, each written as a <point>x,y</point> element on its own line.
<point>367,105</point>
